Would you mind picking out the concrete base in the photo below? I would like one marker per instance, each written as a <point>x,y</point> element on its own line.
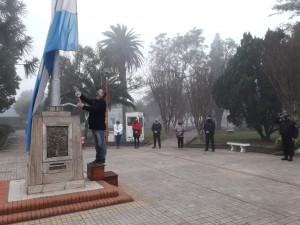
<point>55,159</point>
<point>36,207</point>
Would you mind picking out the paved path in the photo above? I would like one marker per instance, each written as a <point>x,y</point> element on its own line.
<point>185,186</point>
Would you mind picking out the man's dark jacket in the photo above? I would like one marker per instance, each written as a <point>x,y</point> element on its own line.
<point>209,126</point>
<point>287,128</point>
<point>97,110</point>
<point>156,127</point>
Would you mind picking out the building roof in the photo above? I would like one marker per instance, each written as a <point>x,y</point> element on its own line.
<point>9,113</point>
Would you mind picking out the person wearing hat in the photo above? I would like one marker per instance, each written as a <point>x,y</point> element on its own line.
<point>118,129</point>
<point>137,131</point>
<point>156,129</point>
<point>288,131</point>
<point>209,130</point>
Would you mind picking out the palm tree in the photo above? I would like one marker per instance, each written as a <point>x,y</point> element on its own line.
<point>122,47</point>
<point>86,70</point>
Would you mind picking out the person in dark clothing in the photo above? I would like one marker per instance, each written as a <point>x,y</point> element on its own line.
<point>179,132</point>
<point>288,131</point>
<point>209,130</point>
<point>97,109</point>
<point>156,129</point>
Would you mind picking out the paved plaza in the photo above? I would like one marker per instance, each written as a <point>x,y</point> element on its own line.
<point>184,186</point>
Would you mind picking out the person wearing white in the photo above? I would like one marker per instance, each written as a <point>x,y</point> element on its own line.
<point>118,129</point>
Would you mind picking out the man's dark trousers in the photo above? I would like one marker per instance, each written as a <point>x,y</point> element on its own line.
<point>210,138</point>
<point>156,136</point>
<point>288,146</point>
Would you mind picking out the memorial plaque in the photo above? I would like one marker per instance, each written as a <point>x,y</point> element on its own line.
<point>57,141</point>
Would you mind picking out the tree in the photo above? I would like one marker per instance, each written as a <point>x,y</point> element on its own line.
<point>245,90</point>
<point>22,105</point>
<point>122,47</point>
<point>14,44</point>
<point>281,65</point>
<point>288,6</point>
<point>220,53</point>
<point>86,69</point>
<point>199,87</point>
<point>171,62</point>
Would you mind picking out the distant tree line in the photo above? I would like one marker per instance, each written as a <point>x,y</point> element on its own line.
<point>253,81</point>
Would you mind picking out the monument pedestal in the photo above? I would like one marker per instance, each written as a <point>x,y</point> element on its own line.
<point>55,159</point>
<point>111,178</point>
<point>95,171</point>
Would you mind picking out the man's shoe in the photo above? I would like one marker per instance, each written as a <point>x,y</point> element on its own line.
<point>98,162</point>
<point>213,150</point>
<point>284,158</point>
<point>153,147</point>
<point>290,159</point>
<point>205,150</point>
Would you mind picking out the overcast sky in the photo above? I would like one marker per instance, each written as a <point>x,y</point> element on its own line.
<point>230,18</point>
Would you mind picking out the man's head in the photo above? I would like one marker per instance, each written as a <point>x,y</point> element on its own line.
<point>118,121</point>
<point>156,120</point>
<point>208,118</point>
<point>100,94</point>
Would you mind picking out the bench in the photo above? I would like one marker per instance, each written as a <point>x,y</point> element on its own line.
<point>242,145</point>
<point>230,131</point>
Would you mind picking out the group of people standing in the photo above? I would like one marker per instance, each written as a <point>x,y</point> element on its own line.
<point>209,131</point>
<point>97,109</point>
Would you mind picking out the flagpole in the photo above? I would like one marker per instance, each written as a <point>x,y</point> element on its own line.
<point>107,98</point>
<point>55,82</point>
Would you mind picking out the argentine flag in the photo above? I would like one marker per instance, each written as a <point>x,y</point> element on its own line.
<point>63,35</point>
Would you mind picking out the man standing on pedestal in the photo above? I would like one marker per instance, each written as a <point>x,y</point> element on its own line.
<point>96,108</point>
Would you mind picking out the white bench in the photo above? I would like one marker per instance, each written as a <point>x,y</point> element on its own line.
<point>230,131</point>
<point>242,145</point>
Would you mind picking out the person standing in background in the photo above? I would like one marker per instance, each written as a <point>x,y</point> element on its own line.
<point>179,132</point>
<point>118,129</point>
<point>156,129</point>
<point>209,130</point>
<point>288,130</point>
<point>137,131</point>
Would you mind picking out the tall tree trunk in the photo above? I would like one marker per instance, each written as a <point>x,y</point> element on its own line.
<point>218,116</point>
<point>122,74</point>
<point>260,132</point>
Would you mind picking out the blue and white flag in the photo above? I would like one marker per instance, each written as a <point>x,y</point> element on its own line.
<point>63,35</point>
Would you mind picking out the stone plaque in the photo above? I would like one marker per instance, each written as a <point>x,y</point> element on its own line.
<point>57,141</point>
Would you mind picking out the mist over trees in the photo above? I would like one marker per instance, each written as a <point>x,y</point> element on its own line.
<point>221,52</point>
<point>14,46</point>
<point>186,78</point>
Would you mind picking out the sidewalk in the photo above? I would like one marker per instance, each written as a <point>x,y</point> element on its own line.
<point>185,186</point>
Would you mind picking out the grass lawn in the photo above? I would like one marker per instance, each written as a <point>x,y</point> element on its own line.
<point>252,137</point>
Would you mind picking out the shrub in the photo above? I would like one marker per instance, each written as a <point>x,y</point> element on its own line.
<point>4,131</point>
<point>278,143</point>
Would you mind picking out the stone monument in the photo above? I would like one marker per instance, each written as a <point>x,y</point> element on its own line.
<point>55,160</point>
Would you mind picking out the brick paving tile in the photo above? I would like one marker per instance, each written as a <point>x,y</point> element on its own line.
<point>182,187</point>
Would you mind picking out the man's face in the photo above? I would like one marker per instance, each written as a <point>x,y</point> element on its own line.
<point>100,94</point>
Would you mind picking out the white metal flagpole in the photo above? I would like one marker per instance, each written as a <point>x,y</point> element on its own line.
<point>55,82</point>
